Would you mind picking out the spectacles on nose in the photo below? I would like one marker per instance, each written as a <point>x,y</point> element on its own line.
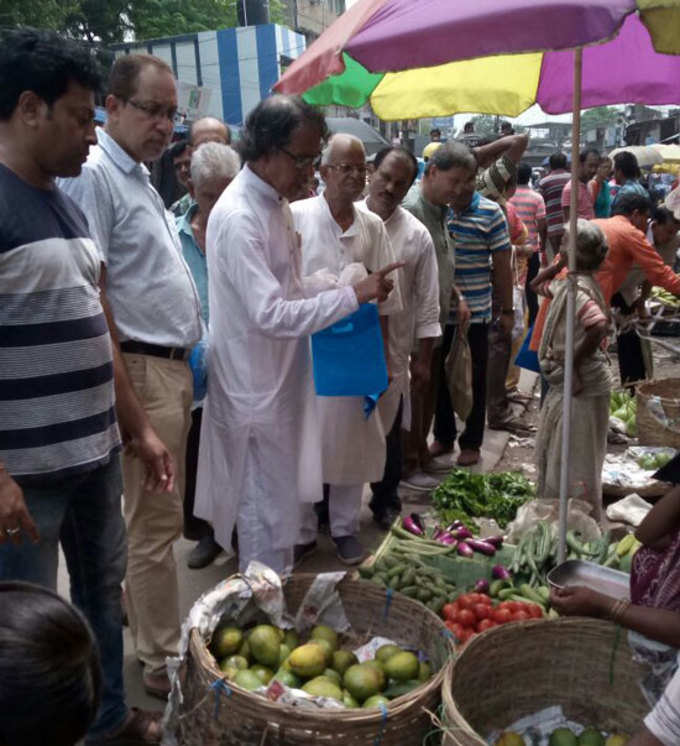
<point>154,111</point>
<point>348,168</point>
<point>301,161</point>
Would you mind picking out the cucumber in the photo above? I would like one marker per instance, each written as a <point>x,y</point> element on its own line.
<point>410,590</point>
<point>409,576</point>
<point>524,600</point>
<point>528,592</point>
<point>505,593</point>
<point>424,594</point>
<point>496,587</point>
<point>395,571</point>
<point>544,592</point>
<point>366,571</point>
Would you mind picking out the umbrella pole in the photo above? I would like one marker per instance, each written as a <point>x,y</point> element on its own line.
<point>571,309</point>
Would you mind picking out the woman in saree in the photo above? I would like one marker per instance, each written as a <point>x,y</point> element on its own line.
<point>591,380</point>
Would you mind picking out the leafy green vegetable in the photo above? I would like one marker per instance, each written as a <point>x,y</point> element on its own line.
<point>463,495</point>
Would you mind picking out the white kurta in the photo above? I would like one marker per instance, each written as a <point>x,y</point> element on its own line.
<point>259,438</point>
<point>352,447</point>
<point>419,318</point>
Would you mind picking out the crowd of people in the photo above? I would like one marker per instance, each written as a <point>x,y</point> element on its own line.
<point>116,314</point>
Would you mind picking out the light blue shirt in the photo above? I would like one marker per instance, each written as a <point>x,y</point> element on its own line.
<point>194,257</point>
<point>149,285</point>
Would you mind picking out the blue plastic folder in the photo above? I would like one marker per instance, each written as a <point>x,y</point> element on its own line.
<point>349,358</point>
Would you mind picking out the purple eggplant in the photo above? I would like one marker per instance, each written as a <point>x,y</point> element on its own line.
<point>482,546</point>
<point>455,526</point>
<point>464,549</point>
<point>500,572</point>
<point>444,537</point>
<point>462,533</point>
<point>497,541</point>
<point>482,586</point>
<point>413,524</point>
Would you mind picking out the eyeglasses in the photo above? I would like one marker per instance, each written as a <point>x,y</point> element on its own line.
<point>301,161</point>
<point>348,168</point>
<point>154,111</point>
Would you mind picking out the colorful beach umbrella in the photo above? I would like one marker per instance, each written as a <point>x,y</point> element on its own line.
<point>510,84</point>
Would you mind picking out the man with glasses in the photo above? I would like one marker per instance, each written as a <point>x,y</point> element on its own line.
<point>335,235</point>
<point>259,456</point>
<point>156,308</point>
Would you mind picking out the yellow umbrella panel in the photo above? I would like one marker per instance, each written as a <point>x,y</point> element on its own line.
<point>505,84</point>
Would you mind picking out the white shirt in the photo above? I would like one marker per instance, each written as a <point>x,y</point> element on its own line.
<point>353,447</point>
<point>148,283</point>
<point>260,408</point>
<point>419,287</point>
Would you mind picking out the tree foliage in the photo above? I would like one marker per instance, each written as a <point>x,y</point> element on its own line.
<point>599,116</point>
<point>110,21</point>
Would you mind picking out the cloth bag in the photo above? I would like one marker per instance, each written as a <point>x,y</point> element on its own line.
<point>458,371</point>
<point>349,357</point>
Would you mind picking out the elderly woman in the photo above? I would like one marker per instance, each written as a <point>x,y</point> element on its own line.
<point>591,382</point>
<point>213,166</point>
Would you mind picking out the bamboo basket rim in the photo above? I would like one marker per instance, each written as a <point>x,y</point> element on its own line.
<point>454,721</point>
<point>307,717</point>
<point>642,389</point>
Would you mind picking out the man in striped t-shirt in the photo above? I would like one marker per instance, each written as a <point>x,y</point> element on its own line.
<point>551,187</point>
<point>60,474</point>
<point>480,234</point>
<point>531,211</point>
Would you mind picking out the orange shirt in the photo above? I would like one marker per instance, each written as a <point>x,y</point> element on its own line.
<point>628,246</point>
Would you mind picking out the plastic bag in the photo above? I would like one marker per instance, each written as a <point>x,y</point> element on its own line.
<point>199,369</point>
<point>531,513</point>
<point>458,371</point>
<point>518,329</point>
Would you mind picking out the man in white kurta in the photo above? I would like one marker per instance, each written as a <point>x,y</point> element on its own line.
<point>416,324</point>
<point>259,455</point>
<point>335,235</point>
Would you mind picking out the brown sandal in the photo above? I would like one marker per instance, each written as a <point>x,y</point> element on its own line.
<point>141,728</point>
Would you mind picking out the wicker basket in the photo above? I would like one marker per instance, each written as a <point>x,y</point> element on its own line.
<point>512,671</point>
<point>213,715</point>
<point>653,431</point>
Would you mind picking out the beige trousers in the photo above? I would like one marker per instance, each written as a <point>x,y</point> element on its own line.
<point>154,521</point>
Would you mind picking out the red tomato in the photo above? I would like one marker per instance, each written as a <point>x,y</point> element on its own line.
<point>485,599</point>
<point>457,630</point>
<point>467,618</point>
<point>520,616</point>
<point>449,610</point>
<point>482,611</point>
<point>501,615</point>
<point>466,635</point>
<point>509,605</point>
<point>485,624</point>
<point>535,611</point>
<point>465,602</point>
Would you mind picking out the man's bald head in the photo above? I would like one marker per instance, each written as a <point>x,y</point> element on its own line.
<point>209,129</point>
<point>339,146</point>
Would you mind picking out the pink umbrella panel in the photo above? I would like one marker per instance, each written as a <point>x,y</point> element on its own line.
<point>509,84</point>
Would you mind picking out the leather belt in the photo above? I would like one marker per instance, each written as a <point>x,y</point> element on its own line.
<point>144,348</point>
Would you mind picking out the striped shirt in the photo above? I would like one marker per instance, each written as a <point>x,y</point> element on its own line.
<point>477,232</point>
<point>551,187</point>
<point>57,415</point>
<point>664,720</point>
<point>530,209</point>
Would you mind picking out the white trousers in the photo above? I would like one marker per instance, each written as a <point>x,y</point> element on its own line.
<point>344,506</point>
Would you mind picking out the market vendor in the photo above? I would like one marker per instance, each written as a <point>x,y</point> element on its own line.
<point>653,613</point>
<point>591,382</point>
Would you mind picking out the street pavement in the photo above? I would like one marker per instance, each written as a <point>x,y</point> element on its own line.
<point>192,583</point>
